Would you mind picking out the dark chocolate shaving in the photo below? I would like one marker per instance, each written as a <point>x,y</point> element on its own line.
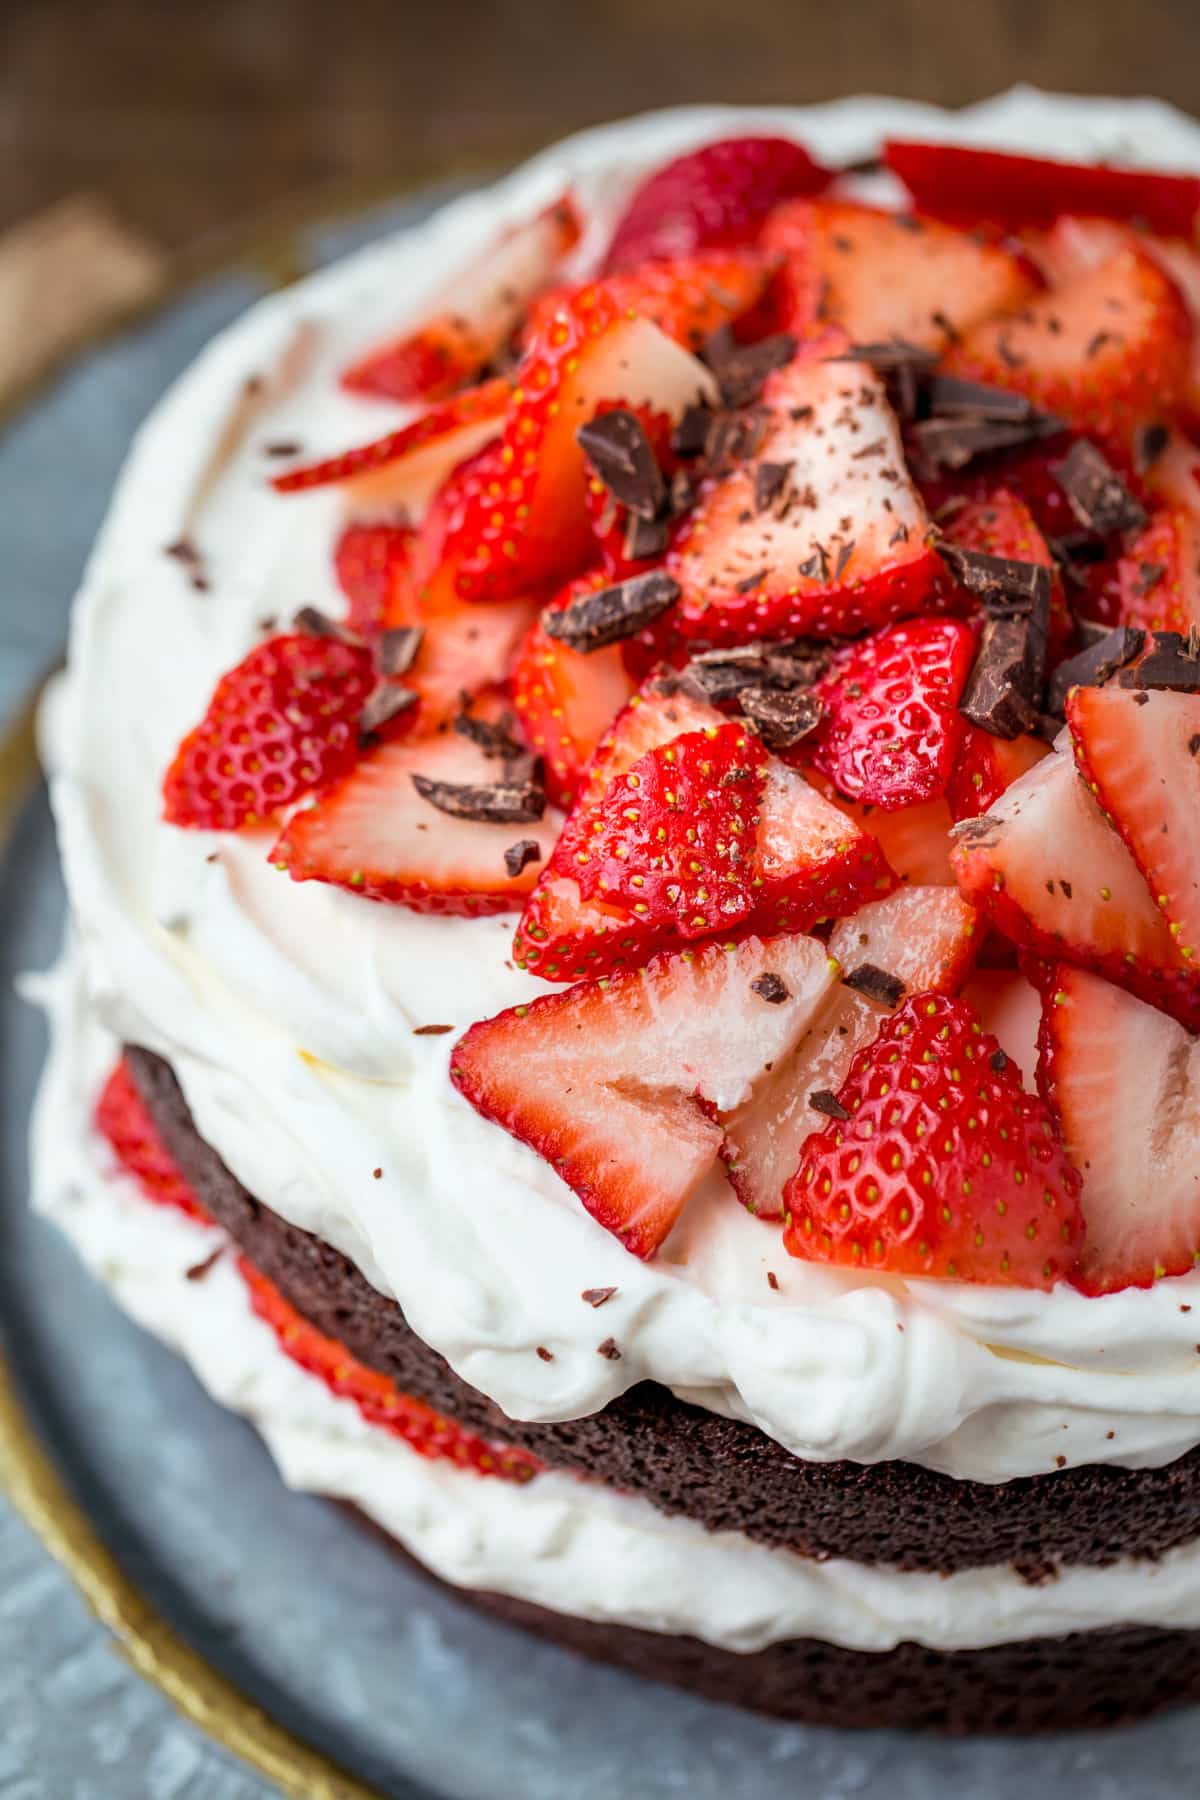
<point>770,987</point>
<point>518,856</point>
<point>875,983</point>
<point>312,621</point>
<point>741,369</point>
<point>493,736</point>
<point>646,538</point>
<point>185,551</point>
<point>431,1030</point>
<point>997,1062</point>
<point>609,1350</point>
<point>952,397</point>
<point>502,803</point>
<point>690,436</point>
<point>1094,665</point>
<point>1170,664</point>
<point>824,1100</point>
<point>596,620</point>
<point>617,447</point>
<point>770,481</point>
<point>732,438</point>
<point>384,703</point>
<point>1002,584</point>
<point>597,1296</point>
<point>1004,691</point>
<point>1095,492</point>
<point>904,367</point>
<point>783,718</point>
<point>1149,442</point>
<point>952,443</point>
<point>397,649</point>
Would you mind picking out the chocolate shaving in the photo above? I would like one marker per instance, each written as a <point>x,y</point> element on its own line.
<point>732,438</point>
<point>1004,691</point>
<point>646,538</point>
<point>783,718</point>
<point>770,987</point>
<point>997,1062</point>
<point>690,436</point>
<point>609,1350</point>
<point>597,1296</point>
<point>503,803</point>
<point>493,736</point>
<point>199,1270</point>
<point>384,703</point>
<point>952,397</point>
<point>741,369</point>
<point>875,983</point>
<point>431,1030</point>
<point>1094,665</point>
<point>953,443</point>
<point>596,620</point>
<point>282,447</point>
<point>518,856</point>
<point>618,449</point>
<point>1002,584</point>
<point>311,620</point>
<point>1171,664</point>
<point>397,649</point>
<point>903,367</point>
<point>824,1100</point>
<point>770,481</point>
<point>1149,442</point>
<point>1095,492</point>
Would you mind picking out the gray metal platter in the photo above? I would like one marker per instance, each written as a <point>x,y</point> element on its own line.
<point>400,1683</point>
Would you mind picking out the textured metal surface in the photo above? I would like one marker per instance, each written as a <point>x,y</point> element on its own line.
<point>307,1615</point>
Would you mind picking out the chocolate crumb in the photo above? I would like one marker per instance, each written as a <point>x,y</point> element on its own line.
<point>377,1174</point>
<point>597,1296</point>
<point>282,447</point>
<point>741,369</point>
<point>772,1280</point>
<point>609,1349</point>
<point>875,983</point>
<point>431,1030</point>
<point>518,856</point>
<point>493,736</point>
<point>199,1270</point>
<point>770,987</point>
<point>546,1355</point>
<point>783,718</point>
<point>825,1101</point>
<point>998,1062</point>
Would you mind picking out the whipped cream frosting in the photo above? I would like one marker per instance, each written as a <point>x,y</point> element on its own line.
<point>288,1011</point>
<point>556,1541</point>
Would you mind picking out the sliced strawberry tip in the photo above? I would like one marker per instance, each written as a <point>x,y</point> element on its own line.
<point>124,1120</point>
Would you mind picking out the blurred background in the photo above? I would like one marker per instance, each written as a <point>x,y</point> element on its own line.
<point>191,115</point>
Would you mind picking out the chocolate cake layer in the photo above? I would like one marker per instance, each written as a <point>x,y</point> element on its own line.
<point>725,1473</point>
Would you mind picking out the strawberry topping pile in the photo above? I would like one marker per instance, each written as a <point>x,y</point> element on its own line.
<point>782,611</point>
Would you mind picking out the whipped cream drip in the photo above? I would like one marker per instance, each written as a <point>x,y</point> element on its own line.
<point>557,1541</point>
<point>288,1011</point>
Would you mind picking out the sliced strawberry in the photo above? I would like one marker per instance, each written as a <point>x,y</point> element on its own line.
<point>281,723</point>
<point>535,531</point>
<point>1138,752</point>
<point>369,561</point>
<point>940,1164</point>
<point>927,938</point>
<point>891,727</point>
<point>615,1082</point>
<point>122,1117</point>
<point>376,1396</point>
<point>687,297</point>
<point>915,840</point>
<point>1056,879</point>
<point>566,701</point>
<point>842,549</point>
<point>976,186</point>
<point>883,275</point>
<point>1109,352</point>
<point>986,767</point>
<point>1125,1082</point>
<point>1157,581</point>
<point>796,858</point>
<point>403,468</point>
<point>715,196</point>
<point>454,346</point>
<point>376,835</point>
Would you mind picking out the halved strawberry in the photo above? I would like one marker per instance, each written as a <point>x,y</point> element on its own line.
<point>687,297</point>
<point>883,275</point>
<point>615,1082</point>
<point>986,767</point>
<point>369,559</point>
<point>377,836</point>
<point>535,531</point>
<point>1125,1082</point>
<point>455,345</point>
<point>939,1162</point>
<point>717,195</point>
<point>1138,752</point>
<point>405,467</point>
<point>1157,580</point>
<point>915,840</point>
<point>1056,879</point>
<point>978,186</point>
<point>843,545</point>
<point>376,1396</point>
<point>122,1117</point>
<point>927,938</point>
<point>1109,352</point>
<point>566,701</point>
<point>794,860</point>
<point>282,722</point>
<point>891,727</point>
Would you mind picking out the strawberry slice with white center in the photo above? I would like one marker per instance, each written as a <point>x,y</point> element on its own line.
<point>1055,878</point>
<point>1139,754</point>
<point>369,560</point>
<point>986,767</point>
<point>376,835</point>
<point>890,729</point>
<point>566,701</point>
<point>1158,578</point>
<point>453,346</point>
<point>688,297</point>
<point>937,1162</point>
<point>1109,352</point>
<point>915,840</point>
<point>884,275</point>
<point>843,547</point>
<point>615,1082</point>
<point>626,878</point>
<point>927,939</point>
<point>1125,1082</point>
<point>534,531</point>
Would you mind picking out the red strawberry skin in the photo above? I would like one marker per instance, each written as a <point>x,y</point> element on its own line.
<point>1158,577</point>
<point>715,196</point>
<point>986,767</point>
<point>891,729</point>
<point>281,723</point>
<point>1001,523</point>
<point>566,701</point>
<point>376,1396</point>
<point>122,1117</point>
<point>945,1167</point>
<point>369,560</point>
<point>688,297</point>
<point>465,422</point>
